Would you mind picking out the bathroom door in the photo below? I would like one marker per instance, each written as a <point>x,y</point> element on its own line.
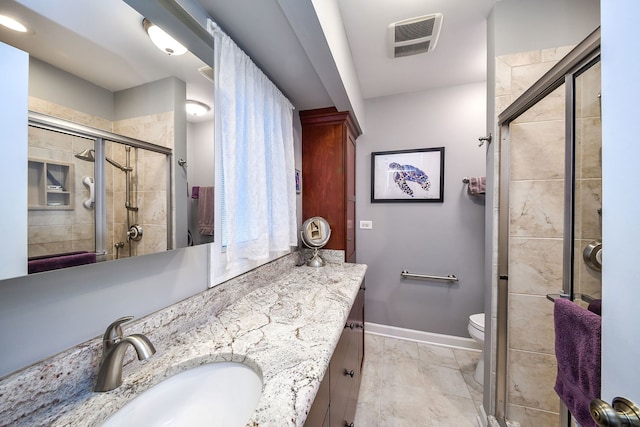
<point>621,228</point>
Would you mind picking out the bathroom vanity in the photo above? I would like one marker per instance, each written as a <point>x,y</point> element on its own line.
<point>335,403</point>
<point>282,321</point>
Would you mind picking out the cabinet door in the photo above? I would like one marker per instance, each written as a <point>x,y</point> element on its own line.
<point>320,408</point>
<point>350,197</point>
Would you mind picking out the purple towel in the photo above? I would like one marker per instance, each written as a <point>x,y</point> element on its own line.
<point>578,338</point>
<point>595,306</point>
<point>195,192</point>
<point>54,262</point>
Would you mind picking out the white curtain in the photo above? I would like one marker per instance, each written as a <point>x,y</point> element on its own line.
<point>254,127</point>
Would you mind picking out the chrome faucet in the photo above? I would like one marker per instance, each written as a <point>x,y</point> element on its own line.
<point>114,346</point>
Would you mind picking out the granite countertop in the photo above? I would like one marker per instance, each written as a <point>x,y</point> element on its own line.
<point>286,330</point>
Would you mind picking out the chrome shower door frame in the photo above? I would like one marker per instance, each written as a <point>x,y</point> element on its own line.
<point>100,137</point>
<point>583,56</point>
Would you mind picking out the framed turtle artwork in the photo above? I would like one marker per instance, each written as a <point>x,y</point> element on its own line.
<point>408,176</point>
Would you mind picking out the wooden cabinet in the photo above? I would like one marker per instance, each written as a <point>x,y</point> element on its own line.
<point>336,400</point>
<point>329,174</point>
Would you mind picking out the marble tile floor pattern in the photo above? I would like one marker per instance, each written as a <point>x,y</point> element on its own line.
<point>409,384</point>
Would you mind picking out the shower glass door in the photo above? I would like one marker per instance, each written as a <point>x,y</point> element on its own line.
<point>587,212</point>
<point>586,242</point>
<point>550,238</point>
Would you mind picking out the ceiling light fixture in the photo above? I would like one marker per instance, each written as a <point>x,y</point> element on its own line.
<point>12,24</point>
<point>196,108</point>
<point>162,40</point>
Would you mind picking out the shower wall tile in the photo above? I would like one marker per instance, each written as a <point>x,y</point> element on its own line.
<point>522,77</point>
<point>535,244</point>
<point>535,266</point>
<point>60,111</point>
<point>503,78</point>
<point>549,108</point>
<point>588,199</point>
<point>82,232</point>
<point>153,176</point>
<point>538,150</point>
<point>502,102</point>
<point>50,234</point>
<point>587,93</point>
<point>84,245</point>
<point>55,142</point>
<point>588,281</point>
<point>155,128</point>
<point>50,218</point>
<point>522,58</point>
<point>39,249</point>
<point>555,54</point>
<point>536,208</point>
<point>154,239</point>
<point>589,148</point>
<point>153,208</point>
<point>529,417</point>
<point>531,380</point>
<point>532,329</point>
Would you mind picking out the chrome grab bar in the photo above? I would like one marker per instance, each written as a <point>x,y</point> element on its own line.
<point>450,278</point>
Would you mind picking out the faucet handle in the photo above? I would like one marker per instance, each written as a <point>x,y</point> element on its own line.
<point>113,334</point>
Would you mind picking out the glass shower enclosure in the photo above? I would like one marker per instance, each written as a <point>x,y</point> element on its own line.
<point>550,236</point>
<point>93,193</point>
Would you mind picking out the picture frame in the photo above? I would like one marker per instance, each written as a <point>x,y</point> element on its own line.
<point>408,176</point>
<point>298,182</point>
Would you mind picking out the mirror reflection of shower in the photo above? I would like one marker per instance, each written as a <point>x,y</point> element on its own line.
<point>134,231</point>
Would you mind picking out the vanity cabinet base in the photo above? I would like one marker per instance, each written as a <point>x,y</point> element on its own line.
<point>337,397</point>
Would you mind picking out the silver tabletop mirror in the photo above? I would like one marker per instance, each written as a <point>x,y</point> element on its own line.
<point>315,234</point>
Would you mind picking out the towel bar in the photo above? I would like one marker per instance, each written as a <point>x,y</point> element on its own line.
<point>450,278</point>
<point>584,297</point>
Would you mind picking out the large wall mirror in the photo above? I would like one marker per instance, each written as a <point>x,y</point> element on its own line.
<point>117,167</point>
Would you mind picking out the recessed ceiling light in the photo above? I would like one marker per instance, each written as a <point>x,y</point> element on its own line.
<point>162,40</point>
<point>196,108</point>
<point>12,24</point>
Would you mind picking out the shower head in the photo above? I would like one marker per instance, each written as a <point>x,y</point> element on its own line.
<point>86,155</point>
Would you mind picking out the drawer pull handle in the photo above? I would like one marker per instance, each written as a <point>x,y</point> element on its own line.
<point>348,424</point>
<point>350,325</point>
<point>350,373</point>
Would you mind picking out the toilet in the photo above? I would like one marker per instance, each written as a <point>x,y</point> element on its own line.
<point>476,330</point>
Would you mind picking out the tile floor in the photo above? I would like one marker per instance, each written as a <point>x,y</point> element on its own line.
<point>409,384</point>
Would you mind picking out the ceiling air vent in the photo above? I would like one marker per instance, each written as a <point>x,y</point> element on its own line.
<point>207,71</point>
<point>415,35</point>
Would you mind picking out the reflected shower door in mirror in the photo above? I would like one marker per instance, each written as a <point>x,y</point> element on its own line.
<point>93,199</point>
<point>117,82</point>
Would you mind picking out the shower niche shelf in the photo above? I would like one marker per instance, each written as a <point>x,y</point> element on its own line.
<point>50,185</point>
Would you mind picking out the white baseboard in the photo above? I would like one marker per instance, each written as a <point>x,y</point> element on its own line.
<point>422,337</point>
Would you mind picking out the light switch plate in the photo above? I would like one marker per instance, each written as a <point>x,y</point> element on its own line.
<point>366,225</point>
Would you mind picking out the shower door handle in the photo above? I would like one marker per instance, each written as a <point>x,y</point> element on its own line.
<point>623,413</point>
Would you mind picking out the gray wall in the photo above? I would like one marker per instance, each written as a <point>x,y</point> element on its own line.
<point>428,238</point>
<point>57,86</point>
<point>523,25</point>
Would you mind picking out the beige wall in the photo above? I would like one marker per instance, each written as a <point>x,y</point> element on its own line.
<point>59,231</point>
<point>536,207</point>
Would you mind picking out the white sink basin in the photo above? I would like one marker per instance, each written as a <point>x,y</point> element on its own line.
<point>216,394</point>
